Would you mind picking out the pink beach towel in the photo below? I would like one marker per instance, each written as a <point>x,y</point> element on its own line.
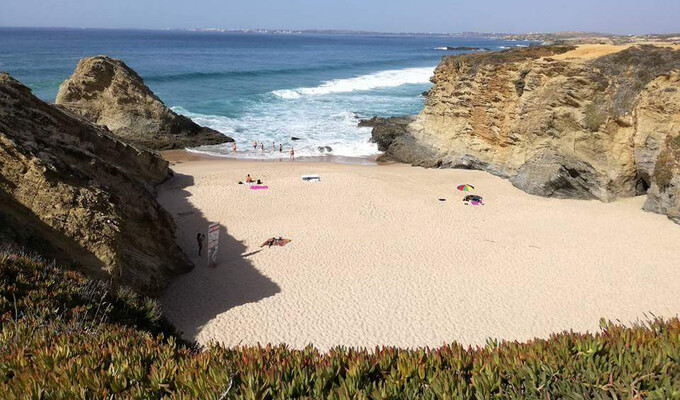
<point>259,187</point>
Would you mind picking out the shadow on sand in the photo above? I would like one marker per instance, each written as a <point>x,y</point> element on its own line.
<point>195,298</point>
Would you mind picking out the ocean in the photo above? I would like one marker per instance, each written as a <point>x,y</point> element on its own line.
<point>254,86</point>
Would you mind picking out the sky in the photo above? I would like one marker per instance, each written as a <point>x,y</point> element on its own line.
<point>508,16</point>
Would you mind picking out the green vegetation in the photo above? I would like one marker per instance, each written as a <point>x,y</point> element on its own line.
<point>66,337</point>
<point>594,116</point>
<point>667,163</point>
<point>632,69</point>
<point>474,61</point>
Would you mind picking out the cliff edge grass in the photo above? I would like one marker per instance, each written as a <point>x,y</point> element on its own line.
<point>107,92</point>
<point>74,192</point>
<point>64,336</point>
<point>558,121</point>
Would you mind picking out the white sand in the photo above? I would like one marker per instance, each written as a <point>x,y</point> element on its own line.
<point>376,259</point>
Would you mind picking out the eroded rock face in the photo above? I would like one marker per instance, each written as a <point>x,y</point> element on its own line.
<point>555,126</point>
<point>107,92</point>
<point>72,191</point>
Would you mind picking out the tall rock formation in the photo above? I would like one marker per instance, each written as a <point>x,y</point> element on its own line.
<point>554,123</point>
<point>72,191</point>
<point>107,92</point>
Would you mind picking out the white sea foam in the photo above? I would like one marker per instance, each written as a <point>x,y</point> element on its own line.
<point>382,79</point>
<point>320,117</point>
<point>315,128</point>
<point>440,48</point>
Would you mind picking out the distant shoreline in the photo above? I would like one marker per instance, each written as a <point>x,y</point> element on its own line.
<point>527,36</point>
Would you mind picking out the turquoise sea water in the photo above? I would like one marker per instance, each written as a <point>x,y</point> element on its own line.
<point>264,87</point>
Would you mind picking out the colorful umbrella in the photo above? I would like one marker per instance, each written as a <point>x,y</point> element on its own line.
<point>465,188</point>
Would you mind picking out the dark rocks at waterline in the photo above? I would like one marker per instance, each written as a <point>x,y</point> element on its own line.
<point>398,144</point>
<point>293,138</point>
<point>369,122</point>
<point>325,149</point>
<point>425,93</point>
<point>386,130</point>
<point>463,48</point>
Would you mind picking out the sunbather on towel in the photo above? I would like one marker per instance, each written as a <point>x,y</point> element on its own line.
<point>275,241</point>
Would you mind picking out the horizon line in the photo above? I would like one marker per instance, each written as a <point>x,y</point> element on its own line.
<point>340,31</point>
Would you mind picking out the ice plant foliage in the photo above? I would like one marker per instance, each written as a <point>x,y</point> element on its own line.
<point>64,336</point>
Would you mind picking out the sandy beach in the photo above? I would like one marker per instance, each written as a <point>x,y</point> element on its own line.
<point>377,259</point>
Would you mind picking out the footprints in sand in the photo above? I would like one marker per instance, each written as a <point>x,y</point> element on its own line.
<point>370,210</point>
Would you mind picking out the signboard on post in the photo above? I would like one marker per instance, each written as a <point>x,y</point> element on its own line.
<point>213,240</point>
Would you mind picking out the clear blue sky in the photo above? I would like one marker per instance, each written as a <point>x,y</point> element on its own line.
<point>622,16</point>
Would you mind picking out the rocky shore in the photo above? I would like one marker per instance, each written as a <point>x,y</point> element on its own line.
<point>107,92</point>
<point>557,121</point>
<point>72,191</point>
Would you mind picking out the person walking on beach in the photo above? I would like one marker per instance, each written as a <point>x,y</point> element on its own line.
<point>292,154</point>
<point>200,238</point>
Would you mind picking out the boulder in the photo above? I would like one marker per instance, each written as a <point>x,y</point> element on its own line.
<point>107,92</point>
<point>74,192</point>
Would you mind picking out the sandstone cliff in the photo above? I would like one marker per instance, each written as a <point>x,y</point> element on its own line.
<point>556,122</point>
<point>72,191</point>
<point>109,93</point>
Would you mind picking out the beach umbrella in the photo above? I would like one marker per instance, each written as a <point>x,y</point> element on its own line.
<point>465,188</point>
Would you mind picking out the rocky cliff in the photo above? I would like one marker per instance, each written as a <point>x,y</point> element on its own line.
<point>556,121</point>
<point>107,92</point>
<point>72,191</point>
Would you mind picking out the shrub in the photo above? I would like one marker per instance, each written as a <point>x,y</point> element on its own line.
<point>64,337</point>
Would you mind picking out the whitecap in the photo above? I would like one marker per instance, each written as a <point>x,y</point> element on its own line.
<point>376,80</point>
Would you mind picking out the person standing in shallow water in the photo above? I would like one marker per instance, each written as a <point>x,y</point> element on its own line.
<point>280,148</point>
<point>200,238</point>
<point>292,154</point>
<point>255,145</point>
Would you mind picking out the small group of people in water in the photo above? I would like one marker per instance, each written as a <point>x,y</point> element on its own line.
<point>255,145</point>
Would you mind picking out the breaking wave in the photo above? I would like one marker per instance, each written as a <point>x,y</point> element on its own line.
<point>382,79</point>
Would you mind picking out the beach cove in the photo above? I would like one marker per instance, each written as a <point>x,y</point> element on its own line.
<point>377,259</point>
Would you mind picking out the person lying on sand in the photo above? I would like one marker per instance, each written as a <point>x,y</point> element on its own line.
<point>275,241</point>
<point>249,179</point>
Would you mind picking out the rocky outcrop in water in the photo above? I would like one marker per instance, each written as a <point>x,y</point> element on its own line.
<point>556,126</point>
<point>72,191</point>
<point>107,92</point>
